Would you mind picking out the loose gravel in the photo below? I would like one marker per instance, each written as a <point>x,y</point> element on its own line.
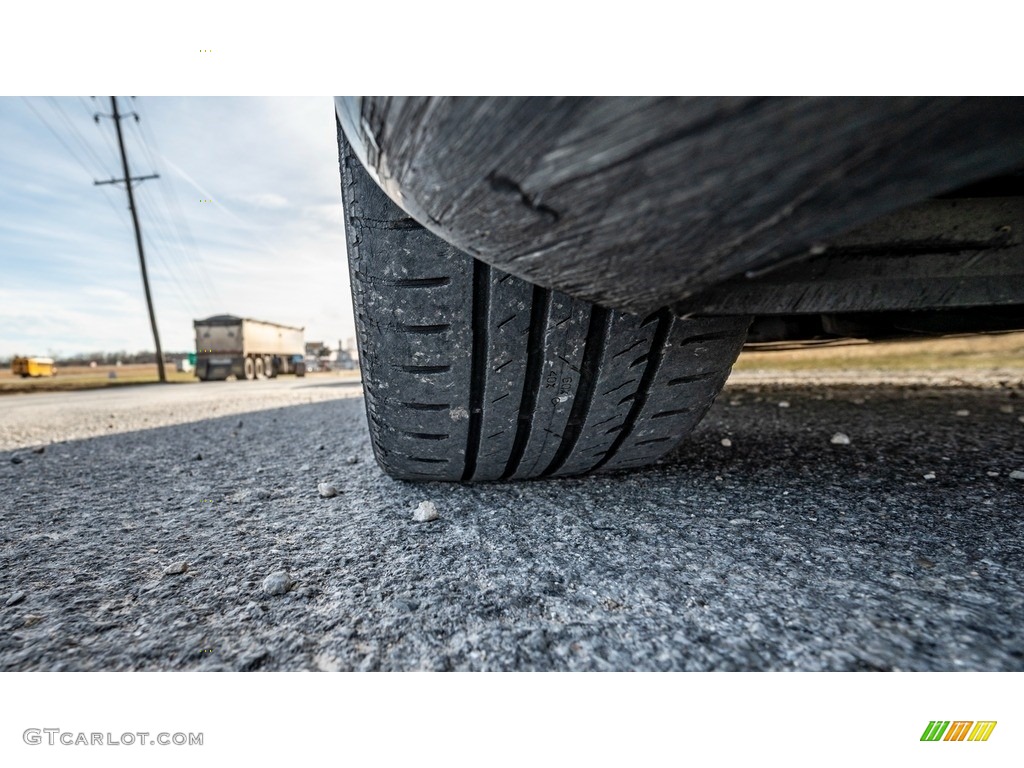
<point>425,512</point>
<point>780,552</point>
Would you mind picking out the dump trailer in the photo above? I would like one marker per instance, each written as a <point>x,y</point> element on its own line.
<point>33,366</point>
<point>248,349</point>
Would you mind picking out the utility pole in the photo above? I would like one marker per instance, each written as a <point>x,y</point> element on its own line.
<point>135,220</point>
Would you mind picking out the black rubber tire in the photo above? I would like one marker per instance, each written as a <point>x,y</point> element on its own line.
<point>258,363</point>
<point>249,368</point>
<point>471,374</point>
<point>268,368</point>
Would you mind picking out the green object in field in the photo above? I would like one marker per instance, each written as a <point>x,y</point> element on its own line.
<point>192,359</point>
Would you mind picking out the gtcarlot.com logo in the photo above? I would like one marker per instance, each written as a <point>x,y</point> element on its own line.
<point>55,736</point>
<point>958,730</point>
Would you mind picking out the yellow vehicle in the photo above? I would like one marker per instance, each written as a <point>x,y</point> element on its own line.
<point>33,366</point>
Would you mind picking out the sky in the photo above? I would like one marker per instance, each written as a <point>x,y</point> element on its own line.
<point>245,219</point>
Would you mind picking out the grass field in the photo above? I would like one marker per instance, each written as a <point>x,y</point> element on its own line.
<point>83,377</point>
<point>73,377</point>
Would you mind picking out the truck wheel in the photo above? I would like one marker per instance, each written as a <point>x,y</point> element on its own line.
<point>471,374</point>
<point>268,368</point>
<point>250,369</point>
<point>259,367</point>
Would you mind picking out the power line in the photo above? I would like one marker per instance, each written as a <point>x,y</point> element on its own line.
<point>169,234</point>
<point>191,250</point>
<point>57,136</point>
<point>180,290</point>
<point>74,132</point>
<point>160,224</point>
<point>122,215</point>
<point>169,193</point>
<point>85,105</point>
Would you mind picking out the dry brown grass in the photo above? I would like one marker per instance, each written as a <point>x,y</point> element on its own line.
<point>70,377</point>
<point>988,352</point>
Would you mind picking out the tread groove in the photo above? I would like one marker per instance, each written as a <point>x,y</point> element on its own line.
<point>634,345</point>
<point>641,359</point>
<point>541,301</point>
<point>673,412</point>
<point>404,282</point>
<point>427,406</point>
<point>418,282</point>
<point>616,389</point>
<point>425,368</point>
<point>589,370</point>
<point>695,378</point>
<point>664,318</point>
<point>652,440</point>
<point>440,328</point>
<point>478,364</point>
<point>427,435</point>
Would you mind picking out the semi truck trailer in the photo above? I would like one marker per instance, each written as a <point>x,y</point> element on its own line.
<point>247,349</point>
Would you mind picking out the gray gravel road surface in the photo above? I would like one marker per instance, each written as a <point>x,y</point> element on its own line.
<point>196,540</point>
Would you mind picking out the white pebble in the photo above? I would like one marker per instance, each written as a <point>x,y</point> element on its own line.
<point>425,512</point>
<point>175,568</point>
<point>784,404</point>
<point>929,476</point>
<point>352,460</point>
<point>327,490</point>
<point>304,468</point>
<point>840,439</point>
<point>727,442</point>
<point>1006,408</point>
<point>963,412</point>
<point>1017,474</point>
<point>992,474</point>
<point>277,583</point>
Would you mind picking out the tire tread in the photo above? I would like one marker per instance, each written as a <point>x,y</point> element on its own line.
<point>470,374</point>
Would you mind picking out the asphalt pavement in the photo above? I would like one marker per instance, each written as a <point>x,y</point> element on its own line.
<point>802,527</point>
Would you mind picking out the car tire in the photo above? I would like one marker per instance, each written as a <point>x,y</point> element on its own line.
<point>471,374</point>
